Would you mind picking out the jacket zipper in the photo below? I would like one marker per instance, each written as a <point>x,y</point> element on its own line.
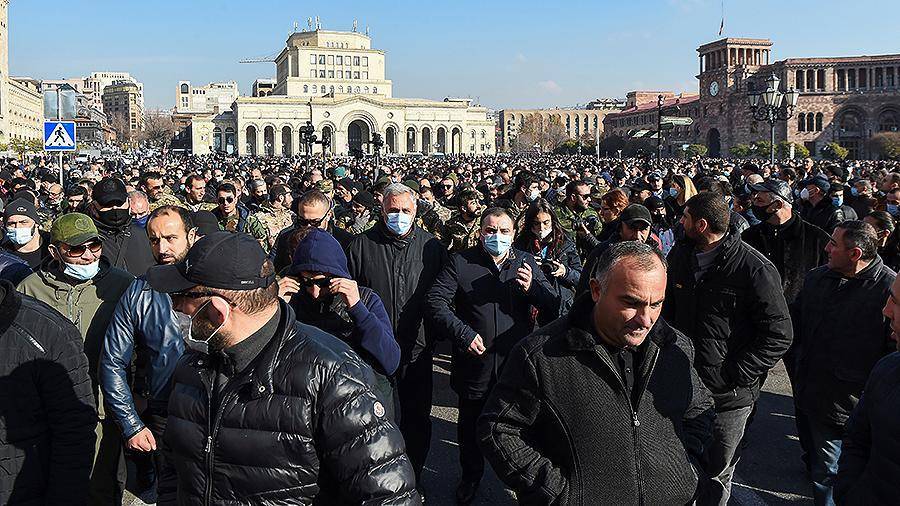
<point>632,408</point>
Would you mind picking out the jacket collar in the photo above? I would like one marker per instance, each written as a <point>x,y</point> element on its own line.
<point>870,272</point>
<point>580,336</point>
<point>261,382</point>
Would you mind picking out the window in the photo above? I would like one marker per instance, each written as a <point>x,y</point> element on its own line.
<point>349,90</point>
<point>841,80</point>
<point>374,90</point>
<point>331,74</point>
<point>312,59</point>
<point>819,120</point>
<point>322,74</point>
<point>365,75</point>
<point>356,90</point>
<point>305,88</point>
<point>356,60</point>
<point>365,61</point>
<point>820,79</point>
<point>340,89</point>
<point>184,88</point>
<point>340,74</point>
<point>889,77</point>
<point>331,59</point>
<point>340,60</point>
<point>851,79</point>
<point>810,126</point>
<point>799,82</point>
<point>879,78</point>
<point>312,73</point>
<point>321,59</point>
<point>331,89</point>
<point>366,90</point>
<point>347,60</point>
<point>801,122</point>
<point>315,88</point>
<point>355,74</point>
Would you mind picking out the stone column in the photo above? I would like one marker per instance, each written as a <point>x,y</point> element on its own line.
<point>241,140</point>
<point>261,141</point>
<point>276,142</point>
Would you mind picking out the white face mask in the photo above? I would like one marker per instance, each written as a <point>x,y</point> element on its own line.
<point>804,194</point>
<point>20,236</point>
<point>82,272</point>
<point>544,232</point>
<point>185,324</point>
<point>534,195</point>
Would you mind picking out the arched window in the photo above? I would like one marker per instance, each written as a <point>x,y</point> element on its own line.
<point>315,88</point>
<point>305,88</point>
<point>801,122</point>
<point>820,79</point>
<point>331,89</point>
<point>483,134</point>
<point>340,89</point>
<point>799,82</point>
<point>819,120</point>
<point>851,124</point>
<point>367,90</point>
<point>185,89</point>
<point>888,122</point>
<point>374,90</point>
<point>810,122</point>
<point>356,90</point>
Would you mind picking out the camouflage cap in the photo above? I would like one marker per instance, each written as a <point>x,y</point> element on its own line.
<point>73,229</point>
<point>325,185</point>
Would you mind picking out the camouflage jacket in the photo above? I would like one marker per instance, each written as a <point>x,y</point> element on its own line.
<point>166,199</point>
<point>243,221</point>
<point>433,219</point>
<point>458,235</point>
<point>275,220</point>
<point>568,217</point>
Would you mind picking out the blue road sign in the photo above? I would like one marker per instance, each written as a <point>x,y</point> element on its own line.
<point>59,136</point>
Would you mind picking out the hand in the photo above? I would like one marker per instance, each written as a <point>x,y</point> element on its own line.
<point>582,230</point>
<point>142,441</point>
<point>287,287</point>
<point>560,270</point>
<point>347,288</point>
<point>524,275</point>
<point>476,347</point>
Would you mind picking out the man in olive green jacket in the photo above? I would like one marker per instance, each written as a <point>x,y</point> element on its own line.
<point>79,283</point>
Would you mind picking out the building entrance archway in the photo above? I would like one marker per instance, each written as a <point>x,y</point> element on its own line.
<point>358,136</point>
<point>714,143</point>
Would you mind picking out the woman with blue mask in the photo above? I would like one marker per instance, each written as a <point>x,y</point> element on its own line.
<point>23,236</point>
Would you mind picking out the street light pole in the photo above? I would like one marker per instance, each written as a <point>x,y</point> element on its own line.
<point>771,106</point>
<point>659,105</point>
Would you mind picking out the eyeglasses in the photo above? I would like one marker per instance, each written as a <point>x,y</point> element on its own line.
<point>226,200</point>
<point>76,251</point>
<point>447,186</point>
<point>320,282</point>
<point>155,187</point>
<point>310,222</point>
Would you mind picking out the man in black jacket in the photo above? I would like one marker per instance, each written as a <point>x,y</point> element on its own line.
<point>603,405</point>
<point>870,452</point>
<point>314,209</point>
<point>47,415</point>
<point>483,297</point>
<point>840,335</point>
<point>400,261</point>
<point>728,299</point>
<point>124,243</point>
<point>819,209</point>
<point>265,409</point>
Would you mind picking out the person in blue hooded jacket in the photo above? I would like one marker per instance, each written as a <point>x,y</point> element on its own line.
<point>322,293</point>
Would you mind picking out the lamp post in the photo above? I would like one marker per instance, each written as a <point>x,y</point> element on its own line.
<point>659,105</point>
<point>771,106</point>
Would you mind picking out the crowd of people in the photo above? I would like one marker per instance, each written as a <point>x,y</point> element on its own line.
<point>250,330</point>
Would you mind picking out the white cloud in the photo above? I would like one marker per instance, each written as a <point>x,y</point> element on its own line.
<point>550,86</point>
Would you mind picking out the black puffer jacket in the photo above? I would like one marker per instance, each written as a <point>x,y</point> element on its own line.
<point>400,270</point>
<point>559,428</point>
<point>300,425</point>
<point>824,215</point>
<point>735,315</point>
<point>841,335</point>
<point>795,248</point>
<point>127,248</point>
<point>47,415</point>
<point>870,455</point>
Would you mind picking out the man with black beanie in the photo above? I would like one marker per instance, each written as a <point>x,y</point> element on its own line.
<point>124,244</point>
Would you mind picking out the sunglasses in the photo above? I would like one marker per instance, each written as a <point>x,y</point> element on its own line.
<point>226,200</point>
<point>76,251</point>
<point>310,222</point>
<point>322,283</point>
<point>155,187</point>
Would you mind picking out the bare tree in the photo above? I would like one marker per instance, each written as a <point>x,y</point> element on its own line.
<point>158,129</point>
<point>545,134</point>
<point>122,129</point>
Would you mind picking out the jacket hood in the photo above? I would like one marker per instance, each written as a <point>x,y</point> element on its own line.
<point>319,251</point>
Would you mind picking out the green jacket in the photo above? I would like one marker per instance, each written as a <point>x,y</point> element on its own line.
<point>567,217</point>
<point>89,305</point>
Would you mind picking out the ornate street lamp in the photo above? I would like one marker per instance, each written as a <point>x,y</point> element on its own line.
<point>660,101</point>
<point>771,106</point>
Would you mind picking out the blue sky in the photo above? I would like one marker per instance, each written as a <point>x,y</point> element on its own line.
<point>506,53</point>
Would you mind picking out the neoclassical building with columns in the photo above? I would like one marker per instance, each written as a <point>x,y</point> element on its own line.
<point>336,80</point>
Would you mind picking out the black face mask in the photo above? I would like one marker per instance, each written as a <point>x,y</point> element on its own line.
<point>760,212</point>
<point>115,217</point>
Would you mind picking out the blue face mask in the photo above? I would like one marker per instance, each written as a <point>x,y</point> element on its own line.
<point>892,209</point>
<point>854,191</point>
<point>399,223</point>
<point>141,222</point>
<point>497,244</point>
<point>837,201</point>
<point>82,272</point>
<point>673,191</point>
<point>20,236</point>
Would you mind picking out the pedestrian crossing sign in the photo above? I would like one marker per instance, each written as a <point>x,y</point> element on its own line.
<point>59,136</point>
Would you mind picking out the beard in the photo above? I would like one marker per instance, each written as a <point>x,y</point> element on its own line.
<point>203,331</point>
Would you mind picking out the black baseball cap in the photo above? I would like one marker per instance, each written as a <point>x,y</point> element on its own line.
<point>224,260</point>
<point>635,213</point>
<point>109,191</point>
<point>776,186</point>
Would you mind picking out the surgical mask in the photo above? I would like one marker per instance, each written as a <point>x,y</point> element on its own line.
<point>82,272</point>
<point>185,324</point>
<point>837,201</point>
<point>544,232</point>
<point>804,194</point>
<point>673,192</point>
<point>854,191</point>
<point>892,209</point>
<point>497,244</point>
<point>534,195</point>
<point>399,223</point>
<point>20,236</point>
<point>141,222</point>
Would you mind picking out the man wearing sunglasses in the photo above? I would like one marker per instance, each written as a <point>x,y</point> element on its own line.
<point>314,210</point>
<point>81,285</point>
<point>285,400</point>
<point>234,217</point>
<point>158,194</point>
